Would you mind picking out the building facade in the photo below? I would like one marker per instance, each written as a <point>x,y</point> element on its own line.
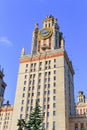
<point>2,86</point>
<point>6,116</point>
<point>46,75</point>
<point>81,106</point>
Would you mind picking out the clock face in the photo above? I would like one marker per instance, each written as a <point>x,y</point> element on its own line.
<point>45,33</point>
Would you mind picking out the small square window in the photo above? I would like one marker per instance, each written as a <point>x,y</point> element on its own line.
<point>54,91</point>
<point>20,116</point>
<point>54,66</point>
<point>54,60</point>
<point>25,82</point>
<point>22,101</point>
<point>54,113</point>
<point>54,98</point>
<point>48,91</point>
<point>54,71</point>
<point>26,65</point>
<point>48,114</point>
<point>54,77</point>
<point>32,94</point>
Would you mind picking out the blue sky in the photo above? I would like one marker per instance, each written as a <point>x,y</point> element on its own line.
<point>17,20</point>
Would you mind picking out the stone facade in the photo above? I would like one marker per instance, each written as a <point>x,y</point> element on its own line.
<point>46,75</point>
<point>6,112</point>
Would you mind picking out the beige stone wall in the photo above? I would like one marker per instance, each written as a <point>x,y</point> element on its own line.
<point>78,122</point>
<point>6,112</point>
<point>56,66</point>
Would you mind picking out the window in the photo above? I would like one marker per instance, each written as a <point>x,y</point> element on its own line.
<point>40,68</point>
<point>38,93</point>
<point>21,109</point>
<point>34,76</point>
<point>30,82</point>
<point>27,108</point>
<point>45,86</point>
<point>25,76</point>
<point>30,76</point>
<point>49,61</point>
<point>38,100</point>
<point>54,124</point>
<point>45,79</point>
<point>31,65</point>
<point>44,99</point>
<point>48,91</point>
<point>54,77</point>
<point>48,85</point>
<point>39,87</point>
<point>44,125</point>
<point>28,94</point>
<point>22,101</point>
<point>28,101</point>
<point>26,65</point>
<point>25,82</point>
<point>54,66</point>
<point>54,105</point>
<point>31,101</point>
<point>48,106</point>
<point>40,63</point>
<point>39,80</point>
<point>54,71</point>
<point>20,116</point>
<point>46,62</point>
<point>33,82</point>
<point>48,99</point>
<point>39,75</point>
<point>54,60</point>
<point>48,114</point>
<point>45,73</point>
<point>24,88</point>
<point>49,73</point>
<point>34,64</point>
<point>26,115</point>
<point>54,91</point>
<point>47,124</point>
<point>29,88</point>
<point>54,84</point>
<point>54,113</point>
<point>23,95</point>
<point>32,94</point>
<point>76,126</point>
<point>46,68</point>
<point>45,92</point>
<point>54,98</point>
<point>48,79</point>
<point>26,70</point>
<point>44,107</point>
<point>33,88</point>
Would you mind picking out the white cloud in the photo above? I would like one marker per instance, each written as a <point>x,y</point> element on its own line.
<point>5,41</point>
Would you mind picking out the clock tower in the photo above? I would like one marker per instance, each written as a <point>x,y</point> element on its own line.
<point>48,38</point>
<point>45,75</point>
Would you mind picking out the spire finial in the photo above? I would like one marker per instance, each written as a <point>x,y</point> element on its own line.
<point>23,52</point>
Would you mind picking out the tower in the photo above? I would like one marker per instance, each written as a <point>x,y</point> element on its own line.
<point>2,86</point>
<point>46,75</point>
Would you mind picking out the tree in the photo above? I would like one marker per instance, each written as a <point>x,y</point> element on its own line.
<point>35,119</point>
<point>21,124</point>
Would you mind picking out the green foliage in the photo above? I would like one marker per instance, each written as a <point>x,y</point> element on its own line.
<point>35,121</point>
<point>21,124</point>
<point>83,129</point>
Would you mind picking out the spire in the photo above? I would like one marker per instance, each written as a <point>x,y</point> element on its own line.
<point>23,52</point>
